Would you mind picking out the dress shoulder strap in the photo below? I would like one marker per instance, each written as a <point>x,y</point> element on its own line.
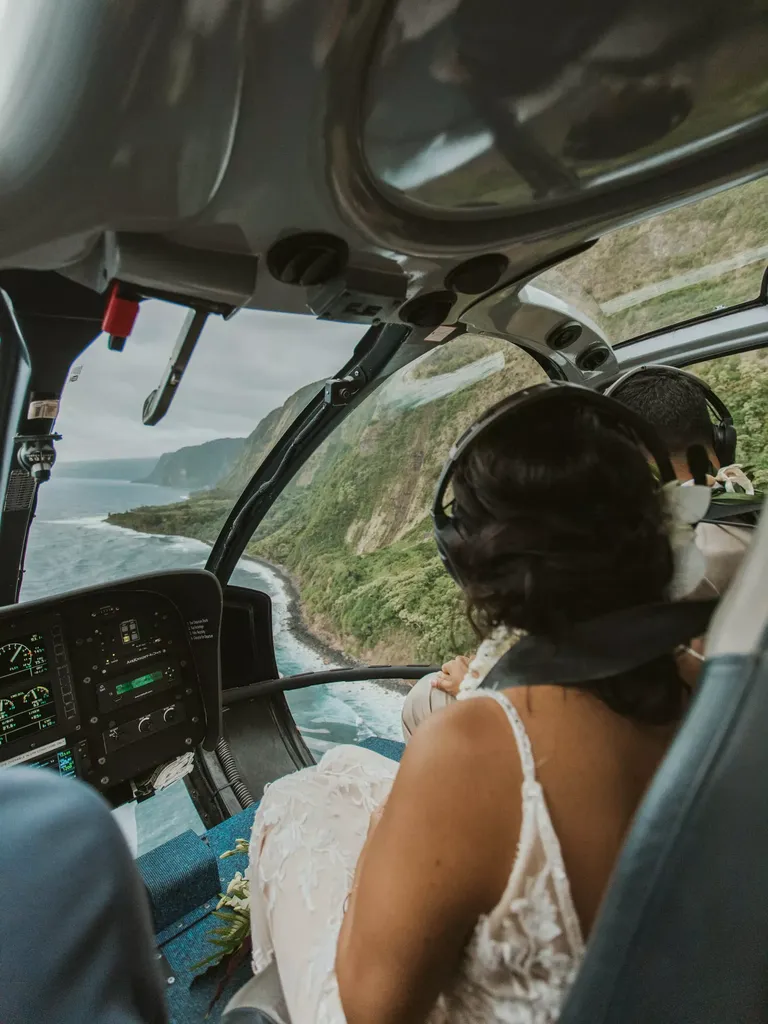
<point>518,729</point>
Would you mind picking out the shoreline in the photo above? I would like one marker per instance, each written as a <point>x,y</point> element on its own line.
<point>295,624</point>
<point>301,631</point>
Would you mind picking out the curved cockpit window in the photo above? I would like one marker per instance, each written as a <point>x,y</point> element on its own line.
<point>741,381</point>
<point>477,105</point>
<point>125,499</point>
<point>690,262</point>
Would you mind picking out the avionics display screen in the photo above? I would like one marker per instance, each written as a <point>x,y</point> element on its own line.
<point>23,658</point>
<point>138,682</point>
<point>26,706</point>
<point>61,761</point>
<point>25,710</point>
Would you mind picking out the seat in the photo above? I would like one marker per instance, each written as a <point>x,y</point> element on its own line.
<point>682,937</point>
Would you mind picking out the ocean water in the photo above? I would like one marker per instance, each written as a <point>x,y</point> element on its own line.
<point>71,545</point>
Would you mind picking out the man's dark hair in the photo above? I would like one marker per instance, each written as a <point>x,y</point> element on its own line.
<point>671,403</point>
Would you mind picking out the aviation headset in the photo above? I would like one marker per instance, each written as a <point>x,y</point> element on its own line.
<point>447,528</point>
<point>723,430</point>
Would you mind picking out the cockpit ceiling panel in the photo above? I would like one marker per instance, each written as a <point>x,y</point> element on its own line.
<point>112,115</point>
<point>489,106</point>
<point>142,141</point>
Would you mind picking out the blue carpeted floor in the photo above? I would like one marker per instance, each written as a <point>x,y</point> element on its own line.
<point>184,878</point>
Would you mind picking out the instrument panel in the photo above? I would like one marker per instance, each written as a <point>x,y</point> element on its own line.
<point>110,683</point>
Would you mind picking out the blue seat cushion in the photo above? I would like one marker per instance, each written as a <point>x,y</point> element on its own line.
<point>180,875</point>
<point>389,748</point>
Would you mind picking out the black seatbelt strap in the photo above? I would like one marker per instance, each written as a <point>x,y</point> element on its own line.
<point>602,647</point>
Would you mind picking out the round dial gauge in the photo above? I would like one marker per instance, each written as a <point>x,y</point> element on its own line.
<point>15,658</point>
<point>37,695</point>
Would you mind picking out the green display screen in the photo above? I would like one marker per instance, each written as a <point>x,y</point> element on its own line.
<point>136,684</point>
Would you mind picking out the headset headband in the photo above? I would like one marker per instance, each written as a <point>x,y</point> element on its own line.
<point>723,431</point>
<point>552,391</point>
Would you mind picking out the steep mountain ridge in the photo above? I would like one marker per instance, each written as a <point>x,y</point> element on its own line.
<point>196,467</point>
<point>260,440</point>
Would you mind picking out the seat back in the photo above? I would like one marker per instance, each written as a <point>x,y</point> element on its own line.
<point>682,937</point>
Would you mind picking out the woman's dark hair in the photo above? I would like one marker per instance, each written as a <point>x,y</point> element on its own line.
<point>561,520</point>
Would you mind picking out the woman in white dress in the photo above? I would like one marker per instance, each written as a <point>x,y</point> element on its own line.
<point>460,885</point>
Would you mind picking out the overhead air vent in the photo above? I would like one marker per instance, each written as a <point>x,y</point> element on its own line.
<point>564,335</point>
<point>478,275</point>
<point>593,358</point>
<point>428,310</point>
<point>308,259</point>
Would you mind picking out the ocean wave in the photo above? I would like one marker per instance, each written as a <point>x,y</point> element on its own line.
<point>89,522</point>
<point>377,708</point>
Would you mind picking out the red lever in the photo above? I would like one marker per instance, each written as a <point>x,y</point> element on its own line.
<point>120,314</point>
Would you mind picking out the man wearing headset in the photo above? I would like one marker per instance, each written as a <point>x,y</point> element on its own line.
<point>685,413</point>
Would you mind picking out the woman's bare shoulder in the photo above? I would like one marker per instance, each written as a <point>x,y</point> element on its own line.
<point>471,729</point>
<point>459,788</point>
<point>460,748</point>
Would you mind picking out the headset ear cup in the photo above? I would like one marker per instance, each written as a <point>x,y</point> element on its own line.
<point>724,436</point>
<point>447,537</point>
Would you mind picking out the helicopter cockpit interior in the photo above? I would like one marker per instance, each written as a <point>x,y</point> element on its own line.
<point>476,195</point>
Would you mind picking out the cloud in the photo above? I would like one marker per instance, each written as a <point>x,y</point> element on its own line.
<point>241,369</point>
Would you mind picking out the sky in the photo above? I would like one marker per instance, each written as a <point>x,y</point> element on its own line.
<point>241,369</point>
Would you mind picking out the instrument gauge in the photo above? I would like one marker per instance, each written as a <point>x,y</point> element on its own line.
<point>15,660</point>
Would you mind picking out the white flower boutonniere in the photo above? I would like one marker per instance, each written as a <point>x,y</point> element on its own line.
<point>734,480</point>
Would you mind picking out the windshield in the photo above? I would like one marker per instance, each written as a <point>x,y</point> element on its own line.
<point>689,262</point>
<point>346,552</point>
<point>118,501</point>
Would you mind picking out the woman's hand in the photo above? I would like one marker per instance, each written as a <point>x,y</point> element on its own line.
<point>451,675</point>
<point>690,661</point>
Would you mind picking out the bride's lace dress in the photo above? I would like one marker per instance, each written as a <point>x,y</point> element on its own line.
<point>307,836</point>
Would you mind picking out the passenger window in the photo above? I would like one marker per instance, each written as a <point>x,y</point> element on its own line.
<point>348,546</point>
<point>742,382</point>
<point>692,261</point>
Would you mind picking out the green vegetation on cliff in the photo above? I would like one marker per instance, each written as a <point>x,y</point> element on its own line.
<point>353,527</point>
<point>742,381</point>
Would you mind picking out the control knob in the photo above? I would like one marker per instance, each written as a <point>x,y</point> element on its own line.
<point>145,724</point>
<point>169,713</point>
